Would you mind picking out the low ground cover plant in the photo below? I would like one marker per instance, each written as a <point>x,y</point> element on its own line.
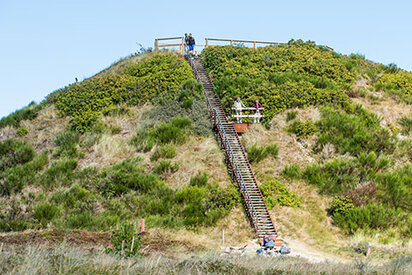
<point>155,80</point>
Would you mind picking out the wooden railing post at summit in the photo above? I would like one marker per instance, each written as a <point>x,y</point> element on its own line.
<point>232,42</point>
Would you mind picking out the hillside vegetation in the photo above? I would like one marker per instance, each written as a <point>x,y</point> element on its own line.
<point>358,159</point>
<point>52,185</point>
<point>134,141</point>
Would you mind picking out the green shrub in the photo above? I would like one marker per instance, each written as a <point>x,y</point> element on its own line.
<point>303,129</point>
<point>80,220</point>
<point>396,188</point>
<point>14,179</point>
<point>167,151</point>
<point>67,144</point>
<point>291,115</point>
<point>14,219</point>
<point>340,205</point>
<point>13,152</point>
<point>334,177</point>
<point>276,193</point>
<point>257,154</point>
<point>292,171</point>
<point>126,176</point>
<point>44,212</point>
<point>114,130</point>
<point>353,133</point>
<point>200,179</point>
<point>155,80</point>
<point>280,77</point>
<point>198,114</point>
<point>392,68</point>
<point>27,113</point>
<point>396,82</point>
<point>175,132</point>
<point>190,89</point>
<point>60,173</point>
<point>172,132</point>
<point>406,124</point>
<point>76,198</point>
<point>272,150</point>
<point>125,241</point>
<point>165,167</point>
<point>143,140</point>
<point>22,131</point>
<point>372,216</point>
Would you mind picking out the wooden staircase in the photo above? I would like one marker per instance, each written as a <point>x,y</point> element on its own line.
<point>252,196</point>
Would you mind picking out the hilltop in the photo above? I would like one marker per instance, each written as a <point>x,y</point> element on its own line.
<point>332,156</point>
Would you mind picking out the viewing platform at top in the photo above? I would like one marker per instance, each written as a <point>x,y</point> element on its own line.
<point>178,44</point>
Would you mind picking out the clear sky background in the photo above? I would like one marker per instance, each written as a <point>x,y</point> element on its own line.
<point>44,45</point>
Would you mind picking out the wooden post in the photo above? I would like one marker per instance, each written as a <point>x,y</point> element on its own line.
<point>231,42</point>
<point>142,226</point>
<point>368,252</point>
<point>156,45</point>
<point>254,44</point>
<point>131,250</point>
<point>207,43</point>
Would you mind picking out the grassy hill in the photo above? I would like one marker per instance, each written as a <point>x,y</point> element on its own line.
<point>361,163</point>
<point>333,156</point>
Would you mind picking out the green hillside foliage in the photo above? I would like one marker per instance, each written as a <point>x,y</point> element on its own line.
<point>276,193</point>
<point>97,199</point>
<point>27,113</point>
<point>154,80</point>
<point>353,132</point>
<point>281,77</point>
<point>368,196</point>
<point>397,82</point>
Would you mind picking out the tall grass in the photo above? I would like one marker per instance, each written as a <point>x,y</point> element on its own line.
<point>65,259</point>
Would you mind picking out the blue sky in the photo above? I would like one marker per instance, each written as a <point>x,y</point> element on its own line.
<point>44,45</point>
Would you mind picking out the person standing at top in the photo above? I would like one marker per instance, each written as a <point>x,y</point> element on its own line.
<point>238,105</point>
<point>191,44</point>
<point>257,106</point>
<point>186,43</point>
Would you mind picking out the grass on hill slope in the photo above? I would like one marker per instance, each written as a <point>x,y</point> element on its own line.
<point>70,183</point>
<point>134,141</point>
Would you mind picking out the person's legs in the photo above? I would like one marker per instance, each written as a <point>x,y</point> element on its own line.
<point>238,113</point>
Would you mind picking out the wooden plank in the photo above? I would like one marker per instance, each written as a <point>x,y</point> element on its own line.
<point>245,41</point>
<point>169,45</point>
<point>239,116</point>
<point>170,38</point>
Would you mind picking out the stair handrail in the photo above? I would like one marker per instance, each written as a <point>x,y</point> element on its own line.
<point>236,169</point>
<point>215,118</point>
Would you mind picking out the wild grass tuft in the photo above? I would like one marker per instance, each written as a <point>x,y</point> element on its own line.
<point>257,154</point>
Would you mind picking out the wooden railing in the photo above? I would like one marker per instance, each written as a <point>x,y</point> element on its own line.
<point>244,42</point>
<point>232,42</point>
<point>180,44</point>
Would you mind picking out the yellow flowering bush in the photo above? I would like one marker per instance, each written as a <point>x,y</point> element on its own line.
<point>280,77</point>
<point>156,79</point>
<point>401,81</point>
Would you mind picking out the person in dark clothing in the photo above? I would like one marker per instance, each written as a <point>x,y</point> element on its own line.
<point>191,44</point>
